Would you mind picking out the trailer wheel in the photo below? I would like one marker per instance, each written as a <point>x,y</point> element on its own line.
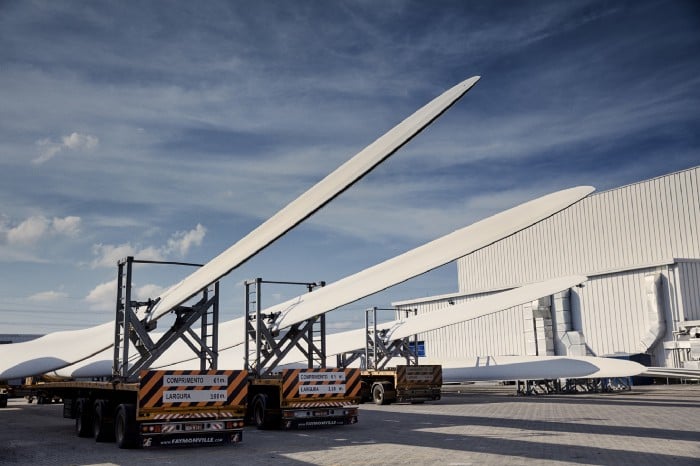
<point>83,418</point>
<point>259,407</point>
<point>379,394</point>
<point>103,425</point>
<point>125,431</point>
<point>365,392</point>
<point>261,415</point>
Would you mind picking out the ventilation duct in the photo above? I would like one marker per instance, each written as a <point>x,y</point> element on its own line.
<point>654,312</point>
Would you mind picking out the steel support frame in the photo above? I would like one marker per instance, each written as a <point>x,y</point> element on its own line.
<point>129,328</point>
<point>378,351</point>
<point>270,348</point>
<point>569,386</point>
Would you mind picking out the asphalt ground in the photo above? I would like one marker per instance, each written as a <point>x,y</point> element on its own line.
<point>471,425</point>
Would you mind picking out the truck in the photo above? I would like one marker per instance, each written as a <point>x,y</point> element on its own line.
<point>384,381</point>
<point>163,408</point>
<point>402,384</point>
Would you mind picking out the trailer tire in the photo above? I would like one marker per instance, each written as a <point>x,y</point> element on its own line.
<point>261,416</point>
<point>379,394</point>
<point>103,422</point>
<point>83,418</point>
<point>365,391</point>
<point>259,408</point>
<point>125,431</point>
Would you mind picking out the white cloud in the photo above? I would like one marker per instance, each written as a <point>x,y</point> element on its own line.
<point>182,241</point>
<point>29,231</point>
<point>72,142</point>
<point>178,244</point>
<point>48,151</point>
<point>80,141</point>
<point>69,226</point>
<point>48,296</point>
<point>148,291</point>
<point>103,296</point>
<point>38,227</point>
<point>109,254</point>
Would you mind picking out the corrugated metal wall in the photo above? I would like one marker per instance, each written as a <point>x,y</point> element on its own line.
<point>636,225</point>
<point>612,311</point>
<point>501,333</point>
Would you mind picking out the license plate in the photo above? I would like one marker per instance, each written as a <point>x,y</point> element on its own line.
<point>193,427</point>
<point>321,413</point>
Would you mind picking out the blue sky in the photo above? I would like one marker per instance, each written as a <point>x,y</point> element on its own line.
<point>169,130</point>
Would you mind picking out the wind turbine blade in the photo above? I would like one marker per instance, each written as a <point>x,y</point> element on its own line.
<point>311,201</point>
<point>485,368</point>
<point>53,351</point>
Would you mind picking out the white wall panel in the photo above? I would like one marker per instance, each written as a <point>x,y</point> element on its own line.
<point>643,223</point>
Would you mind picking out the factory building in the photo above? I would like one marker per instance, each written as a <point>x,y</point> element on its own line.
<point>639,246</point>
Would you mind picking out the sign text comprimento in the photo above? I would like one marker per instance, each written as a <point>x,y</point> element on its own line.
<point>322,377</point>
<point>194,380</point>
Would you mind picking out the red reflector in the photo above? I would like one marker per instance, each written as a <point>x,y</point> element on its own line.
<point>151,429</point>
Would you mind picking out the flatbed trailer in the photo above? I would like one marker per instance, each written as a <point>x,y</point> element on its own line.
<point>303,398</point>
<point>313,396</point>
<point>169,408</point>
<point>402,384</point>
<point>163,408</point>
